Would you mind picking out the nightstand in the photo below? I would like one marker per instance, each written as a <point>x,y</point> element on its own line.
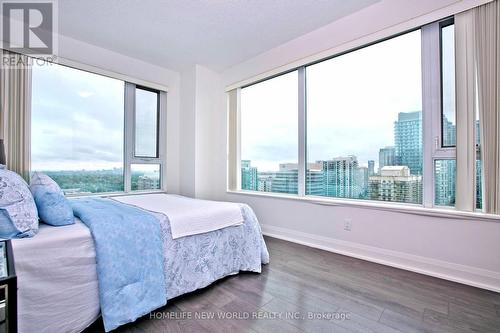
<point>8,289</point>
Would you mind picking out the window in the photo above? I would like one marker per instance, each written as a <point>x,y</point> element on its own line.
<point>448,124</point>
<point>364,123</point>
<point>146,122</point>
<point>352,126</point>
<point>269,144</point>
<point>80,131</point>
<point>445,169</point>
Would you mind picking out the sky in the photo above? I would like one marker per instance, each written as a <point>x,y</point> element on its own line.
<point>352,103</point>
<point>448,76</point>
<point>77,120</point>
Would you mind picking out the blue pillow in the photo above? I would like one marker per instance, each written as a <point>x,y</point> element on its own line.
<point>18,213</point>
<point>53,207</point>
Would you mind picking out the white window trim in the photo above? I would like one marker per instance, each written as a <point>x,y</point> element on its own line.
<point>129,144</point>
<point>431,136</point>
<point>302,133</point>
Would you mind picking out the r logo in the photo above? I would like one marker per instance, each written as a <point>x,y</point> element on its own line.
<point>27,27</point>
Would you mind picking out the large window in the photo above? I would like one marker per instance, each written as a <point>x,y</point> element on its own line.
<point>364,123</point>
<point>79,131</point>
<point>375,123</point>
<point>269,144</point>
<point>146,122</point>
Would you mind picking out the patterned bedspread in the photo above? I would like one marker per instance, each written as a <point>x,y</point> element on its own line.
<point>189,263</point>
<point>194,262</point>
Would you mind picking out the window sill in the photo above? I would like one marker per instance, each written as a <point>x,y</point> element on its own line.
<point>384,206</point>
<point>114,194</point>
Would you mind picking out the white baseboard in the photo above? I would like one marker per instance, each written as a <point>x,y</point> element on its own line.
<point>468,275</point>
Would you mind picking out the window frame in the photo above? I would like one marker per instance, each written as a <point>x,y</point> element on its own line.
<point>157,92</point>
<point>130,136</point>
<point>431,136</point>
<point>443,24</point>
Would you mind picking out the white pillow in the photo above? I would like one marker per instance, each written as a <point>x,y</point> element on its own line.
<point>18,213</point>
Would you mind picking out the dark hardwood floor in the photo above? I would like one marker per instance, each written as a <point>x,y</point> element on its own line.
<point>343,294</point>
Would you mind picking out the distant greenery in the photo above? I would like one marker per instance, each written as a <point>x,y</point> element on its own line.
<point>93,181</point>
<point>85,181</point>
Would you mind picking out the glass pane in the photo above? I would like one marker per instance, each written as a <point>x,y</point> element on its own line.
<point>269,143</point>
<point>146,123</point>
<point>444,182</point>
<point>77,129</point>
<point>448,85</point>
<point>364,123</point>
<point>145,177</point>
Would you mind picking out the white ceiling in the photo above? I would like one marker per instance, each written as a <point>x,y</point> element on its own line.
<point>214,33</point>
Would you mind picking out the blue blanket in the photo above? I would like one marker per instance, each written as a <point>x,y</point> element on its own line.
<point>130,259</point>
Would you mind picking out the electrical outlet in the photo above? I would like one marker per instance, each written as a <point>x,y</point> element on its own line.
<point>347,224</point>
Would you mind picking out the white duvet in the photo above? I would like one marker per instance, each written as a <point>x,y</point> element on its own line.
<point>57,280</point>
<point>188,216</point>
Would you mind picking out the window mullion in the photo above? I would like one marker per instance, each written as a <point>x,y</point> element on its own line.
<point>302,163</point>
<point>129,134</point>
<point>162,138</point>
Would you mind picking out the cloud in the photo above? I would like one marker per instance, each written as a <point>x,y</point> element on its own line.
<point>77,120</point>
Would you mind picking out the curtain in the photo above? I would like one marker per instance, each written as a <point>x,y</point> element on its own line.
<point>15,112</point>
<point>487,54</point>
<point>465,110</point>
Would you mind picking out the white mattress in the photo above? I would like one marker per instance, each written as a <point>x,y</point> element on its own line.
<point>57,280</point>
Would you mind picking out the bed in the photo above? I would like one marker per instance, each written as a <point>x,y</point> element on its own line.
<point>57,271</point>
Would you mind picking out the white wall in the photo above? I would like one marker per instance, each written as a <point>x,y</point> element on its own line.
<point>187,142</point>
<point>200,93</point>
<point>86,54</point>
<point>458,249</point>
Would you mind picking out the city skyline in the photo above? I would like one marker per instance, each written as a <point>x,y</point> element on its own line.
<point>398,176</point>
<point>413,144</point>
<point>351,105</point>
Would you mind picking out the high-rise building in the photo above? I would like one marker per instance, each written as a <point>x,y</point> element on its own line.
<point>315,179</point>
<point>449,132</point>
<point>249,178</point>
<point>265,181</point>
<point>444,182</point>
<point>339,176</point>
<point>396,184</point>
<point>386,156</point>
<point>408,141</point>
<point>286,179</point>
<point>360,185</point>
<point>371,167</point>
